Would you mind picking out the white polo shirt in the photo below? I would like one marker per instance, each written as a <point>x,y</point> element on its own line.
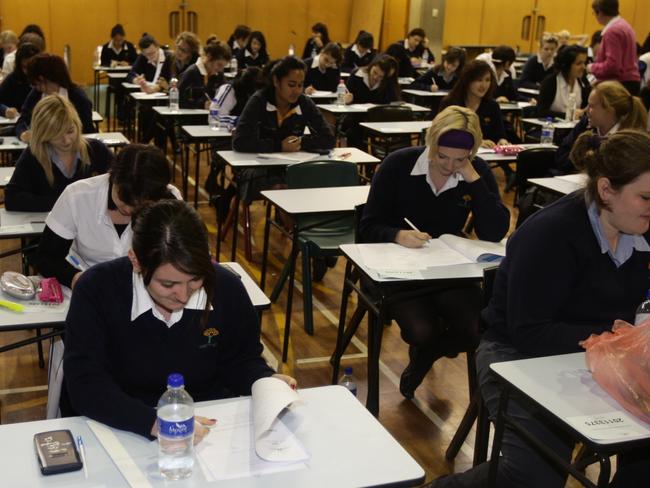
<point>81,214</point>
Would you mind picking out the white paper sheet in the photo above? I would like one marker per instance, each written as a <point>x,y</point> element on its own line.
<point>297,157</point>
<point>608,426</point>
<point>390,258</point>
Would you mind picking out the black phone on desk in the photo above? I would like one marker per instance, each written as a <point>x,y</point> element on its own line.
<point>57,452</point>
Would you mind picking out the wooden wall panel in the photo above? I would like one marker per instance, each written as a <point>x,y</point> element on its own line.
<point>16,15</point>
<point>366,15</point>
<point>395,22</point>
<point>462,22</point>
<point>151,16</point>
<point>335,14</point>
<point>218,17</point>
<point>641,22</point>
<point>561,14</point>
<point>501,23</point>
<point>282,22</point>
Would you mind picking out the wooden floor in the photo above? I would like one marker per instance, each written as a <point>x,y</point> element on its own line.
<point>423,426</point>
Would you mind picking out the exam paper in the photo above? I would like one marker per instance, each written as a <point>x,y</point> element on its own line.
<point>389,257</point>
<point>297,157</point>
<point>608,426</point>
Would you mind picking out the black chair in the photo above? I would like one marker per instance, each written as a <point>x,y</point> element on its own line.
<point>531,163</point>
<point>381,146</point>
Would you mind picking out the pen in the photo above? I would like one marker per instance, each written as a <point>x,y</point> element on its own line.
<point>412,226</point>
<point>345,155</point>
<point>36,221</point>
<point>207,96</point>
<point>294,139</point>
<point>82,453</point>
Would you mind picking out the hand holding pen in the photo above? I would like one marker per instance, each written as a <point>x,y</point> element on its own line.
<point>291,144</point>
<point>412,238</point>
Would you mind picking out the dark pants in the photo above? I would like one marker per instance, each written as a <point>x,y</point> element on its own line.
<point>634,87</point>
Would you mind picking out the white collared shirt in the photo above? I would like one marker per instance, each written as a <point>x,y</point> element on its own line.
<point>81,214</point>
<point>116,51</point>
<point>355,50</point>
<point>159,65</point>
<point>546,65</point>
<point>421,167</point>
<point>562,93</point>
<point>363,74</point>
<point>142,302</point>
<point>201,66</point>
<point>63,92</point>
<point>487,57</point>
<point>249,54</point>
<point>272,108</point>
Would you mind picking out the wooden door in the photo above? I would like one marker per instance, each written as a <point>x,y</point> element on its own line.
<point>394,23</point>
<point>218,17</point>
<point>508,22</point>
<point>557,15</point>
<point>14,16</point>
<point>150,16</point>
<point>462,23</point>
<point>366,15</point>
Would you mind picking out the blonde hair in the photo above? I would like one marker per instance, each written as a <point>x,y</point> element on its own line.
<point>458,118</point>
<point>8,37</point>
<point>629,110</point>
<point>52,117</point>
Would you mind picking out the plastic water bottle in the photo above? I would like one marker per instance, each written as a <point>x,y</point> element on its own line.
<point>292,50</point>
<point>175,430</point>
<point>547,132</point>
<point>348,381</point>
<point>341,91</point>
<point>570,111</point>
<point>213,115</point>
<point>425,56</point>
<point>173,95</point>
<point>233,65</point>
<point>643,311</point>
<point>314,52</point>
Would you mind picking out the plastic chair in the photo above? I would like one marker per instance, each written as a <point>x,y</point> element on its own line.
<point>381,146</point>
<point>323,232</point>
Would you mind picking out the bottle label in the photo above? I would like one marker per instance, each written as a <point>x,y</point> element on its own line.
<point>641,317</point>
<point>181,428</point>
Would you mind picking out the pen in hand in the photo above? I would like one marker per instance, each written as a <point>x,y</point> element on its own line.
<point>412,226</point>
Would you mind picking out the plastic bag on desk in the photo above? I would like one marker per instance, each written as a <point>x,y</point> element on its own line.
<point>620,363</point>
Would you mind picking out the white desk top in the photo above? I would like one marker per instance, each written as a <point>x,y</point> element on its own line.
<point>125,69</point>
<point>457,271</point>
<point>6,172</point>
<point>348,448</point>
<point>118,76</point>
<point>11,143</point>
<point>139,96</point>
<point>21,224</point>
<point>111,139</point>
<point>257,296</point>
<point>6,121</point>
<point>423,93</point>
<point>253,160</point>
<point>130,86</point>
<point>556,124</point>
<point>514,106</point>
<point>321,94</point>
<point>167,112</point>
<point>97,117</point>
<point>35,313</point>
<point>490,156</point>
<point>405,80</point>
<point>205,132</point>
<point>316,200</point>
<point>564,386</point>
<point>356,108</point>
<point>406,127</point>
<point>529,91</point>
<point>561,184</point>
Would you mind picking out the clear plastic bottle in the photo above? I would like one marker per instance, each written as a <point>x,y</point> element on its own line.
<point>643,311</point>
<point>233,65</point>
<point>341,91</point>
<point>314,52</point>
<point>425,56</point>
<point>348,381</point>
<point>173,95</point>
<point>548,130</point>
<point>175,430</point>
<point>292,50</point>
<point>213,115</point>
<point>571,106</point>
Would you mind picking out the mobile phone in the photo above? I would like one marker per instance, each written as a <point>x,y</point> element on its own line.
<point>57,452</point>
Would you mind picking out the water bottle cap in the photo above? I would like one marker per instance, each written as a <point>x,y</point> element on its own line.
<point>549,119</point>
<point>648,295</point>
<point>348,370</point>
<point>175,380</point>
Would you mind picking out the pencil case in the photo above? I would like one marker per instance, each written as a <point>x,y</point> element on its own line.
<point>508,149</point>
<point>17,285</point>
<point>50,291</point>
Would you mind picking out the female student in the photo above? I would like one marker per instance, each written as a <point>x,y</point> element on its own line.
<point>255,53</point>
<point>232,97</point>
<point>15,87</point>
<point>445,75</point>
<point>474,90</point>
<point>555,91</point>
<point>408,52</point>
<point>360,53</point>
<point>186,53</point>
<point>8,46</point>
<point>570,271</point>
<point>610,108</point>
<point>173,311</point>
<point>319,37</point>
<point>539,65</point>
<point>238,39</point>
<point>92,218</point>
<point>200,81</point>
<point>48,75</point>
<point>118,51</point>
<point>436,188</point>
<point>153,65</point>
<point>374,83</point>
<point>323,71</point>
<point>57,155</point>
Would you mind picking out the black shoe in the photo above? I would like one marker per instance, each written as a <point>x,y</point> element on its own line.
<point>406,387</point>
<point>318,269</point>
<point>421,360</point>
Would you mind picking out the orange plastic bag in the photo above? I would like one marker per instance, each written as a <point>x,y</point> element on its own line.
<point>620,363</point>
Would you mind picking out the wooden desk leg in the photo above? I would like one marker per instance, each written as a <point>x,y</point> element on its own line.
<point>498,436</point>
<point>265,248</point>
<point>292,269</point>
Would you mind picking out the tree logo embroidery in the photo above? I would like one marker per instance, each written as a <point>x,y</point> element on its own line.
<point>210,333</point>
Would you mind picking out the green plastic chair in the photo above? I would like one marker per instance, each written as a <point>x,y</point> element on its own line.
<point>325,232</point>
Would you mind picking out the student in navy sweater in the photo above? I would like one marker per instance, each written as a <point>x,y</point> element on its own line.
<point>408,52</point>
<point>320,37</point>
<point>436,187</point>
<point>360,53</point>
<point>239,38</point>
<point>445,75</point>
<point>571,270</point>
<point>569,79</point>
<point>15,87</point>
<point>323,71</point>
<point>152,68</point>
<point>539,65</point>
<point>174,311</point>
<point>186,53</point>
<point>57,155</point>
<point>48,75</point>
<point>118,51</point>
<point>204,77</point>
<point>255,53</point>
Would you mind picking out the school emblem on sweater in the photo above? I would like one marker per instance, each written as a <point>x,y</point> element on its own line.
<point>467,199</point>
<point>210,334</point>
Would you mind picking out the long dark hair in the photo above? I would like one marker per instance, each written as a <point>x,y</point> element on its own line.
<point>259,37</point>
<point>172,232</point>
<point>452,55</point>
<point>322,30</point>
<point>387,64</point>
<point>248,82</point>
<point>49,67</point>
<point>565,58</point>
<point>25,52</point>
<point>473,71</point>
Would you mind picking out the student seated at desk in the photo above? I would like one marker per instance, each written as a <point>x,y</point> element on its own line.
<point>569,79</point>
<point>57,155</point>
<point>8,46</point>
<point>501,60</point>
<point>152,66</point>
<point>539,65</point>
<point>32,34</point>
<point>571,270</point>
<point>174,310</point>
<point>238,39</point>
<point>474,90</point>
<point>374,83</point>
<point>445,75</point>
<point>118,51</point>
<point>186,53</point>
<point>323,71</point>
<point>408,52</point>
<point>232,97</point>
<point>200,82</point>
<point>15,87</point>
<point>436,188</point>
<point>255,53</point>
<point>611,108</point>
<point>360,53</point>
<point>92,218</point>
<point>48,75</point>
<point>320,37</point>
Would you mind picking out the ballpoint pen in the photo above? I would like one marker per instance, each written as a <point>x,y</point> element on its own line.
<point>82,453</point>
